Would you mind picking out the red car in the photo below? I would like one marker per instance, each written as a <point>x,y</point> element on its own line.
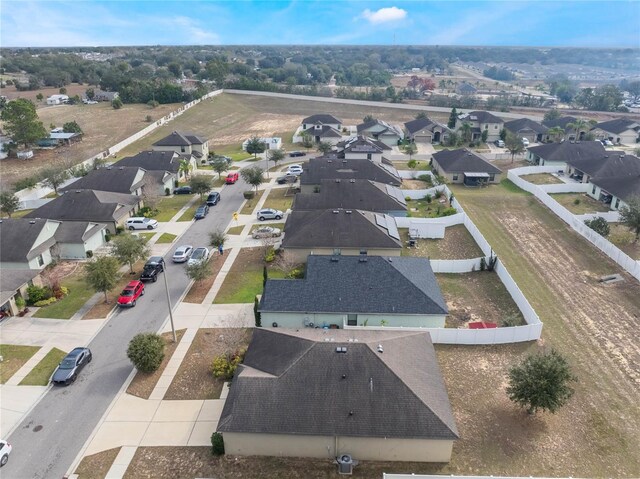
<point>131,293</point>
<point>232,178</point>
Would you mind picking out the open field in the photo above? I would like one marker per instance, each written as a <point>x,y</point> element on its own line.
<point>579,203</point>
<point>13,358</point>
<point>456,244</point>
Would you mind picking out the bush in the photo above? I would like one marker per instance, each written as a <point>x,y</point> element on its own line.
<point>38,293</point>
<point>147,212</point>
<point>45,302</point>
<point>25,183</point>
<point>148,119</point>
<point>510,321</point>
<point>167,192</point>
<point>248,195</point>
<point>407,198</point>
<point>270,255</point>
<point>116,103</point>
<point>146,352</point>
<point>426,178</point>
<point>225,365</point>
<point>119,229</point>
<point>89,254</point>
<point>20,302</point>
<point>217,444</point>
<point>447,212</point>
<point>428,198</point>
<point>107,237</point>
<point>576,201</point>
<point>256,313</point>
<point>295,273</point>
<point>599,225</point>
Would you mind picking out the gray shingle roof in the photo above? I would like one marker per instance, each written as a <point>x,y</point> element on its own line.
<point>319,169</point>
<point>463,160</point>
<point>569,151</point>
<point>12,279</point>
<point>153,161</point>
<point>353,194</point>
<point>295,383</point>
<point>18,239</point>
<point>338,228</point>
<point>624,187</point>
<point>523,124</point>
<point>480,116</point>
<point>321,118</point>
<point>562,122</point>
<point>118,179</point>
<point>612,163</point>
<point>77,231</point>
<point>414,126</point>
<point>363,144</point>
<point>619,125</point>
<point>348,284</point>
<point>176,138</point>
<point>387,127</point>
<point>326,132</point>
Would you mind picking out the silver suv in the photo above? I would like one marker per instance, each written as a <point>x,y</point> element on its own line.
<point>141,223</point>
<point>269,214</point>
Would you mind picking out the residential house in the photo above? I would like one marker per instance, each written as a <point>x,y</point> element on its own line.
<point>565,123</point>
<point>112,209</point>
<point>463,166</point>
<point>323,119</point>
<point>425,130</point>
<point>101,95</point>
<point>558,154</point>
<point>332,167</point>
<point>465,88</point>
<point>353,194</point>
<point>165,161</point>
<point>271,143</point>
<point>14,284</point>
<point>390,135</point>
<point>481,121</point>
<point>363,148</point>
<point>76,239</point>
<point>525,128</point>
<point>185,144</point>
<point>339,291</point>
<point>375,395</point>
<point>611,163</point>
<point>619,131</point>
<point>27,243</point>
<point>118,179</point>
<point>158,182</point>
<point>323,128</point>
<point>616,191</point>
<point>57,99</point>
<point>340,231</point>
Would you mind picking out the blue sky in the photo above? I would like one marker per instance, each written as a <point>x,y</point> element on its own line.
<point>98,23</point>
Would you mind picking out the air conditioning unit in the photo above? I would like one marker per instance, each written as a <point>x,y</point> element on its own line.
<point>346,464</point>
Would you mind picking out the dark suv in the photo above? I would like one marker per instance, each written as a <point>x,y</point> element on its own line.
<point>152,268</point>
<point>213,198</point>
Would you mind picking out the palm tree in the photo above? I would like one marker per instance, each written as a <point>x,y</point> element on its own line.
<point>185,167</point>
<point>556,133</point>
<point>514,145</point>
<point>324,147</point>
<point>578,125</point>
<point>466,131</point>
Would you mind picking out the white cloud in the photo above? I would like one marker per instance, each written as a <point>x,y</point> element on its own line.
<point>384,15</point>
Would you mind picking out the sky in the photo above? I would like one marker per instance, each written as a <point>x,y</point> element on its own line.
<point>578,23</point>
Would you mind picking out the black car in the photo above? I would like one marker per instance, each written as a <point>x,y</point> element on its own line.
<point>201,212</point>
<point>183,190</point>
<point>213,198</point>
<point>69,368</point>
<point>152,268</point>
<point>281,180</point>
<point>294,154</point>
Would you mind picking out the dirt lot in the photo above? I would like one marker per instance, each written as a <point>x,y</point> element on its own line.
<point>97,465</point>
<point>199,289</point>
<point>456,244</point>
<point>72,89</point>
<point>542,179</point>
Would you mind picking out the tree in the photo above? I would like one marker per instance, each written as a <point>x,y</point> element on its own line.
<point>217,238</point>
<point>220,165</point>
<point>541,381</point>
<point>552,114</point>
<point>307,140</point>
<point>514,145</point>
<point>453,118</point>
<point>275,156</point>
<point>8,203</point>
<point>39,97</point>
<point>129,249</point>
<point>599,225</point>
<point>102,274</point>
<point>116,103</point>
<point>63,91</point>
<point>421,116</point>
<point>185,167</point>
<point>368,118</point>
<point>54,177</point>
<point>324,147</point>
<point>253,175</point>
<point>21,122</point>
<point>199,271</point>
<point>578,125</point>
<point>630,216</point>
<point>556,133</point>
<point>90,93</point>
<point>410,149</point>
<point>71,127</point>
<point>217,444</point>
<point>484,136</point>
<point>255,145</point>
<point>633,88</point>
<point>146,352</point>
<point>200,184</point>
<point>466,131</point>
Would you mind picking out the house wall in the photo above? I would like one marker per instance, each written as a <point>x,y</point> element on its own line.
<point>79,250</point>
<point>350,155</point>
<point>459,175</point>
<point>177,149</point>
<point>360,448</point>
<point>337,126</point>
<point>628,137</point>
<point>389,140</point>
<point>300,254</point>
<point>296,320</point>
<point>595,191</point>
<point>32,264</point>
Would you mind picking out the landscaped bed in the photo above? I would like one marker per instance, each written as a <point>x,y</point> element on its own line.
<point>456,244</point>
<point>542,179</point>
<point>250,204</point>
<point>199,289</point>
<point>280,199</point>
<point>79,293</point>
<point>435,208</point>
<point>416,185</point>
<point>235,230</point>
<point>143,384</point>
<point>41,373</point>
<point>579,203</point>
<point>97,465</point>
<point>13,358</point>
<point>194,379</point>
<point>169,206</point>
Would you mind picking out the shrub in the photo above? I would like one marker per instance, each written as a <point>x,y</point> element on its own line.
<point>116,103</point>
<point>119,229</point>
<point>38,293</point>
<point>510,321</point>
<point>147,211</point>
<point>217,444</point>
<point>256,313</point>
<point>438,194</point>
<point>107,237</point>
<point>407,198</point>
<point>90,253</point>
<point>146,352</point>
<point>270,255</point>
<point>20,302</point>
<point>295,273</point>
<point>576,201</point>
<point>428,198</point>
<point>148,119</point>
<point>599,225</point>
<point>167,192</point>
<point>248,195</point>
<point>448,212</point>
<point>45,302</point>
<point>225,365</point>
<point>25,183</point>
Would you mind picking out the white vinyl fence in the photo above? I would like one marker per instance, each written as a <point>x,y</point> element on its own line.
<point>420,194</point>
<point>629,264</point>
<point>412,174</point>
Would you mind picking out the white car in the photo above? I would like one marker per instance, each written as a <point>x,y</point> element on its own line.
<point>525,141</point>
<point>607,142</point>
<point>5,450</point>
<point>141,223</point>
<point>198,256</point>
<point>294,170</point>
<point>266,232</point>
<point>182,254</point>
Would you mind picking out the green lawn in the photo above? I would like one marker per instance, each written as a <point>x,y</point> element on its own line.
<point>40,375</point>
<point>79,293</point>
<point>189,213</point>
<point>170,205</point>
<point>249,205</point>
<point>146,236</point>
<point>402,165</point>
<point>579,203</point>
<point>17,214</point>
<point>13,358</point>
<point>424,209</point>
<point>235,230</point>
<point>280,199</point>
<point>166,238</point>
<point>542,179</point>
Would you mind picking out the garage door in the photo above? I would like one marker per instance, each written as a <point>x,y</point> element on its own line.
<point>422,138</point>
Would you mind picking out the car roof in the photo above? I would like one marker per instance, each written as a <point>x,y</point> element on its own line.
<point>155,259</point>
<point>201,248</point>
<point>184,247</point>
<point>76,351</point>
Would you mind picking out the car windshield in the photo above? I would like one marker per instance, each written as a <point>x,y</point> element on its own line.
<point>197,254</point>
<point>200,210</point>
<point>127,292</point>
<point>68,363</point>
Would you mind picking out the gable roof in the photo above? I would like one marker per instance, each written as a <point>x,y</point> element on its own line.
<point>321,118</point>
<point>77,231</point>
<point>326,132</point>
<point>87,205</point>
<point>569,151</point>
<point>363,144</point>
<point>466,87</point>
<point>623,187</point>
<point>340,228</point>
<point>176,138</point>
<point>153,160</point>
<point>12,279</point>
<point>414,126</point>
<point>280,389</point>
<point>350,284</point>
<point>480,116</point>
<point>619,125</point>
<point>352,194</point>
<point>562,122</point>
<point>523,124</point>
<point>386,127</point>
<point>463,160</point>
<point>612,163</point>
<point>332,167</point>
<point>18,238</point>
<point>119,179</point>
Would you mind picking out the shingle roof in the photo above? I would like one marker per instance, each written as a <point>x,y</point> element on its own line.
<point>327,132</point>
<point>463,160</point>
<point>153,161</point>
<point>480,116</point>
<point>18,239</point>
<point>118,179</point>
<point>77,231</point>
<point>522,124</point>
<point>624,187</point>
<point>293,382</point>
<point>319,169</point>
<point>612,163</point>
<point>339,228</point>
<point>387,127</point>
<point>414,126</point>
<point>363,144</point>
<point>176,138</point>
<point>569,151</point>
<point>12,279</point>
<point>352,194</point>
<point>87,205</point>
<point>350,284</point>
<point>321,118</point>
<point>619,125</point>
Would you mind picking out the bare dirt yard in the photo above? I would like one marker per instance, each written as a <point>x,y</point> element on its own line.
<point>199,289</point>
<point>456,244</point>
<point>97,465</point>
<point>542,179</point>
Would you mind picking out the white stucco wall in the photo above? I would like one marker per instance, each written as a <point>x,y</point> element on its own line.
<point>300,254</point>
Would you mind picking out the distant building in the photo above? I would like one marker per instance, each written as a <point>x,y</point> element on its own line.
<point>57,99</point>
<point>272,143</point>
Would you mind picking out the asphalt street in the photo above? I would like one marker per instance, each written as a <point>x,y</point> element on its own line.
<point>49,438</point>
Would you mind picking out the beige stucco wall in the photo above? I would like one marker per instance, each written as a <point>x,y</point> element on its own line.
<point>350,155</point>
<point>297,320</point>
<point>360,448</point>
<point>300,254</point>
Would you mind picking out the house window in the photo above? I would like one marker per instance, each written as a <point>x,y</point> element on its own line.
<point>486,127</point>
<point>593,190</point>
<point>617,203</point>
<point>368,156</point>
<point>492,177</point>
<point>40,260</point>
<point>455,177</point>
<point>352,319</point>
<point>337,251</point>
<point>495,127</point>
<point>182,149</point>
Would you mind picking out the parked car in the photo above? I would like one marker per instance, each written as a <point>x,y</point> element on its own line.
<point>607,142</point>
<point>525,141</point>
<point>69,368</point>
<point>199,255</point>
<point>182,190</point>
<point>500,143</point>
<point>152,268</point>
<point>201,212</point>
<point>266,232</point>
<point>294,170</point>
<point>232,178</point>
<point>213,198</point>
<point>141,223</point>
<point>224,157</point>
<point>182,254</point>
<point>281,180</point>
<point>269,214</point>
<point>5,450</point>
<point>130,294</point>
<point>295,154</point>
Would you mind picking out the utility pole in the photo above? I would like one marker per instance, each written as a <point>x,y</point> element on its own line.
<point>166,287</point>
